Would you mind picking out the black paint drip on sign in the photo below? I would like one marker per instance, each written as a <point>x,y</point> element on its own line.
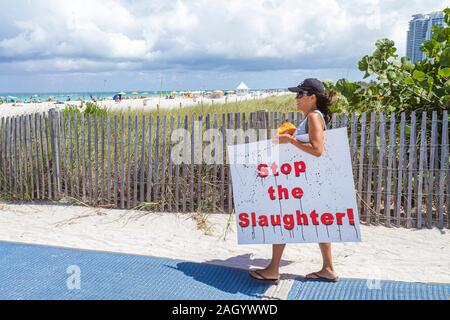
<point>281,210</point>
<point>301,208</point>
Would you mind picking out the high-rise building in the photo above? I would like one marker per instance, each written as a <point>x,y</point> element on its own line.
<point>420,30</point>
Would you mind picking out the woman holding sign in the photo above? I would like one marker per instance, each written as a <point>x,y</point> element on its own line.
<point>313,101</point>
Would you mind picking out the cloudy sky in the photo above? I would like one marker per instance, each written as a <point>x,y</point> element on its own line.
<point>102,45</point>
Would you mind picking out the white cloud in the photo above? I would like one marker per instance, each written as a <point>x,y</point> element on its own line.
<point>89,35</point>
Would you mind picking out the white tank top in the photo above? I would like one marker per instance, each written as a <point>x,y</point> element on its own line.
<point>301,133</point>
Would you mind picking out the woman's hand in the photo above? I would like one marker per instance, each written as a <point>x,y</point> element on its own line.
<point>282,139</point>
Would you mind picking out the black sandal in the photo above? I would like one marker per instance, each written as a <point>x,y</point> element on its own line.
<point>264,279</point>
<point>320,278</point>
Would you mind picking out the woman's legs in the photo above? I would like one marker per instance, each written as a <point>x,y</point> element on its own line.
<point>327,267</point>
<point>272,271</point>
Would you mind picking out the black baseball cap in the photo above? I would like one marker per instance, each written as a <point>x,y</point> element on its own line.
<point>311,85</point>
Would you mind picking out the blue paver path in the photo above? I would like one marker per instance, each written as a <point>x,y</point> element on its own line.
<point>42,272</point>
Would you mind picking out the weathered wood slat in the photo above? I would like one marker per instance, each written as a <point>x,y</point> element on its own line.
<point>19,126</point>
<point>432,177</point>
<point>391,160</point>
<point>215,168</point>
<point>3,185</point>
<point>83,156</point>
<point>89,157</point>
<point>442,173</point>
<point>70,171</point>
<point>229,187</point>
<point>64,171</point>
<point>16,179</point>
<point>116,161</point>
<point>400,168</point>
<point>170,168</point>
<point>76,190</point>
<point>25,153</point>
<point>40,153</point>
<point>156,162</point>
<point>8,146</point>
<point>344,123</point>
<point>128,170</point>
<point>102,161</point>
<point>108,152</point>
<point>46,127</point>
<point>361,161</point>
<point>23,156</point>
<point>199,162</point>
<point>122,164</point>
<point>163,165</point>
<point>13,157</point>
<point>422,156</point>
<point>136,161</point>
<point>222,161</point>
<point>56,152</point>
<point>208,158</point>
<point>192,165</point>
<point>96,166</point>
<point>354,145</point>
<point>30,155</point>
<point>142,163</point>
<point>369,168</point>
<point>150,160</point>
<point>381,166</point>
<point>177,172</point>
<point>411,167</point>
<point>3,181</point>
<point>186,156</point>
<point>334,121</point>
<point>35,155</point>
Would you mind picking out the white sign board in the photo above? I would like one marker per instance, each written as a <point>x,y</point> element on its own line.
<point>284,195</point>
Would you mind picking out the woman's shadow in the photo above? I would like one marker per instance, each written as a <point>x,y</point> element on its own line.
<point>229,276</point>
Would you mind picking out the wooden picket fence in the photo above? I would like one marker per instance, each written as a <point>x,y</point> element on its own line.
<point>400,164</point>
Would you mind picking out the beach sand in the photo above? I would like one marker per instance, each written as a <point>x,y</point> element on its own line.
<point>11,109</point>
<point>385,253</point>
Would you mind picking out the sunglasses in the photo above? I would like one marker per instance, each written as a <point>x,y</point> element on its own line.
<point>302,94</point>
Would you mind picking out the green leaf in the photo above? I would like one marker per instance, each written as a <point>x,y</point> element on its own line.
<point>409,81</point>
<point>444,72</point>
<point>363,64</point>
<point>419,75</point>
<point>445,57</point>
<point>392,75</point>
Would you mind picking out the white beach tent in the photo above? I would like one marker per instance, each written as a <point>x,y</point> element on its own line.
<point>242,89</point>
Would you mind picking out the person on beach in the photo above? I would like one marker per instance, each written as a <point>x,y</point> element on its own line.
<point>313,101</point>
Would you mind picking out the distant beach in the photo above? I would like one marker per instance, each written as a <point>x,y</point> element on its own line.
<point>134,102</point>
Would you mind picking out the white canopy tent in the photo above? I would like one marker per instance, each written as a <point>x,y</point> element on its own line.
<point>242,89</point>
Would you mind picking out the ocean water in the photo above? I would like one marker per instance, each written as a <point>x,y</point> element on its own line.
<point>85,96</point>
<point>74,96</point>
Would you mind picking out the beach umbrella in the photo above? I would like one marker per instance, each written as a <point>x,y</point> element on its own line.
<point>135,93</point>
<point>144,93</point>
<point>122,93</point>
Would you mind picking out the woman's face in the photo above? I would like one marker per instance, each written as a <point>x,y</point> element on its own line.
<point>306,104</point>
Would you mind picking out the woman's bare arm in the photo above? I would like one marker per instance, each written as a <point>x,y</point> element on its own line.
<point>316,137</point>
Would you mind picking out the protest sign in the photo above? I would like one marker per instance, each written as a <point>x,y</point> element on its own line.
<point>285,195</point>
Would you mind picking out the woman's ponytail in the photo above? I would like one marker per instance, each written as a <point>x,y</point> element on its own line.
<point>324,101</point>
